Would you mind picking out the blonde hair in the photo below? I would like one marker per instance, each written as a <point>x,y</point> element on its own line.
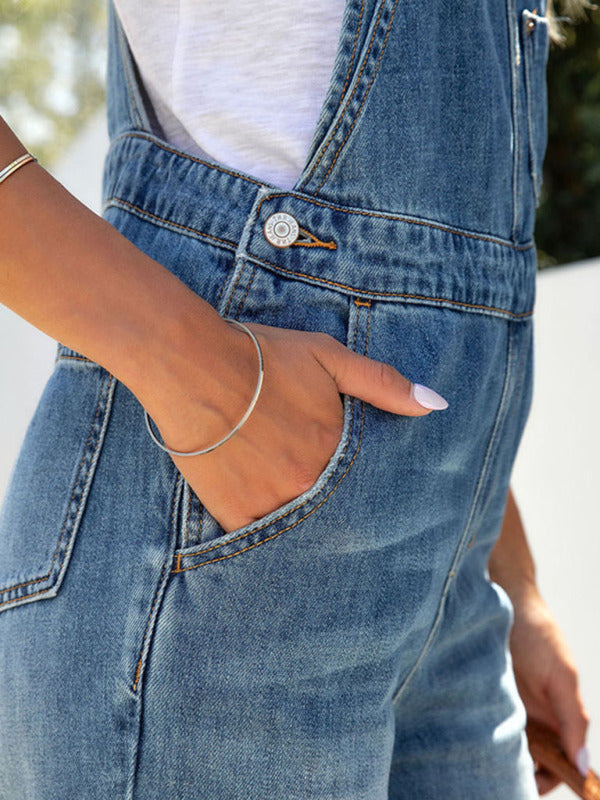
<point>571,11</point>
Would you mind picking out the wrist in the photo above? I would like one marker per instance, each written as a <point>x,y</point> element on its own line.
<point>520,586</point>
<point>83,283</point>
<point>192,371</point>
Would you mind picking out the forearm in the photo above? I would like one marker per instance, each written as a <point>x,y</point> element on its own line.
<point>511,564</point>
<point>75,277</point>
<point>544,667</point>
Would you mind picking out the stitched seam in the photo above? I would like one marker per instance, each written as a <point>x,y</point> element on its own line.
<point>232,293</point>
<point>158,590</point>
<point>126,64</point>
<point>174,151</point>
<point>528,59</point>
<point>368,327</point>
<point>335,283</point>
<point>181,556</point>
<point>224,283</point>
<point>528,56</point>
<point>69,515</point>
<point>500,423</point>
<point>518,387</point>
<point>519,370</point>
<point>115,201</point>
<point>200,523</point>
<point>273,521</point>
<point>367,90</point>
<point>398,218</point>
<point>243,300</point>
<point>517,393</point>
<point>342,285</point>
<point>352,93</point>
<point>189,512</point>
<point>375,293</point>
<point>465,535</point>
<point>179,568</point>
<point>355,332</point>
<point>184,516</point>
<point>362,8</point>
<point>316,242</point>
<point>514,34</point>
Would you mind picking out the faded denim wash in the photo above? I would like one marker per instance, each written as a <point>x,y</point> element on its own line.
<point>349,645</point>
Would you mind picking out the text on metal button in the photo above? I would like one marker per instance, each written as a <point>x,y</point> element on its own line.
<point>281,229</point>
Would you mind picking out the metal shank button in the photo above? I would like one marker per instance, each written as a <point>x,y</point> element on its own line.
<point>281,229</point>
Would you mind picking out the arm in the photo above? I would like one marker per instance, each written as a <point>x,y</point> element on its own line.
<point>544,668</point>
<point>74,276</point>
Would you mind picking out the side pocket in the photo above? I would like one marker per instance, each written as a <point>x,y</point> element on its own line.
<point>204,541</point>
<point>51,480</point>
<point>535,44</point>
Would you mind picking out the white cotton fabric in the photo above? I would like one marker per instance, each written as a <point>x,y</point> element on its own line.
<point>240,81</point>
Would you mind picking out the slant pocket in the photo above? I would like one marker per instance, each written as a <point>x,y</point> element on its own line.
<point>51,480</point>
<point>216,545</point>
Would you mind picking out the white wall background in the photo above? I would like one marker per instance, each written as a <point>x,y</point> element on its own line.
<point>557,474</point>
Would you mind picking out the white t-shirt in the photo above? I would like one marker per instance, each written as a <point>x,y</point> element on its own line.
<point>241,81</point>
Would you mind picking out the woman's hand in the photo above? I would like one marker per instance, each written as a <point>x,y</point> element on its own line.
<point>294,428</point>
<point>75,277</point>
<point>544,667</point>
<point>547,681</point>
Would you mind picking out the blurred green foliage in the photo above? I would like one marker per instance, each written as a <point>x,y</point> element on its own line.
<point>52,69</point>
<point>568,220</point>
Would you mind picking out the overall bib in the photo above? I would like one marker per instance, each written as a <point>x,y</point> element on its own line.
<point>349,645</point>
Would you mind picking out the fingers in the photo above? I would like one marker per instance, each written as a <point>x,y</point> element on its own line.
<point>545,781</point>
<point>572,717</point>
<point>374,381</point>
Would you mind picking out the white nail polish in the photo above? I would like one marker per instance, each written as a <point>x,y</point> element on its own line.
<point>427,398</point>
<point>583,760</point>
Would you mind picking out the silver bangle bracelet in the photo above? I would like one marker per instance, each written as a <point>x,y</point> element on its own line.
<point>243,419</point>
<point>15,165</point>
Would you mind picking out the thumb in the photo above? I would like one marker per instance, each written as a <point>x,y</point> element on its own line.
<point>376,382</point>
<point>572,717</point>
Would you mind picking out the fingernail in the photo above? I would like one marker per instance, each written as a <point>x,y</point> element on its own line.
<point>427,397</point>
<point>583,760</point>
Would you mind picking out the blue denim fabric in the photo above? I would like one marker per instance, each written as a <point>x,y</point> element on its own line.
<point>349,645</point>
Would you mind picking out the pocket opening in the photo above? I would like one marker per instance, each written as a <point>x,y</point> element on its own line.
<point>51,481</point>
<point>215,544</point>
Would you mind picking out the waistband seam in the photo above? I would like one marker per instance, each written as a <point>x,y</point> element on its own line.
<point>397,218</point>
<point>278,192</point>
<point>116,202</point>
<point>374,293</point>
<point>119,202</point>
<point>135,134</point>
<point>325,282</point>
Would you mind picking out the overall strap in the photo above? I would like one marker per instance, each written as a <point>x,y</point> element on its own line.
<point>128,105</point>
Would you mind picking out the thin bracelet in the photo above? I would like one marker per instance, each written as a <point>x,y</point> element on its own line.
<point>243,419</point>
<point>15,165</point>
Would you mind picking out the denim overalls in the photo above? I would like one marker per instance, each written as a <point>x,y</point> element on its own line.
<point>349,645</point>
